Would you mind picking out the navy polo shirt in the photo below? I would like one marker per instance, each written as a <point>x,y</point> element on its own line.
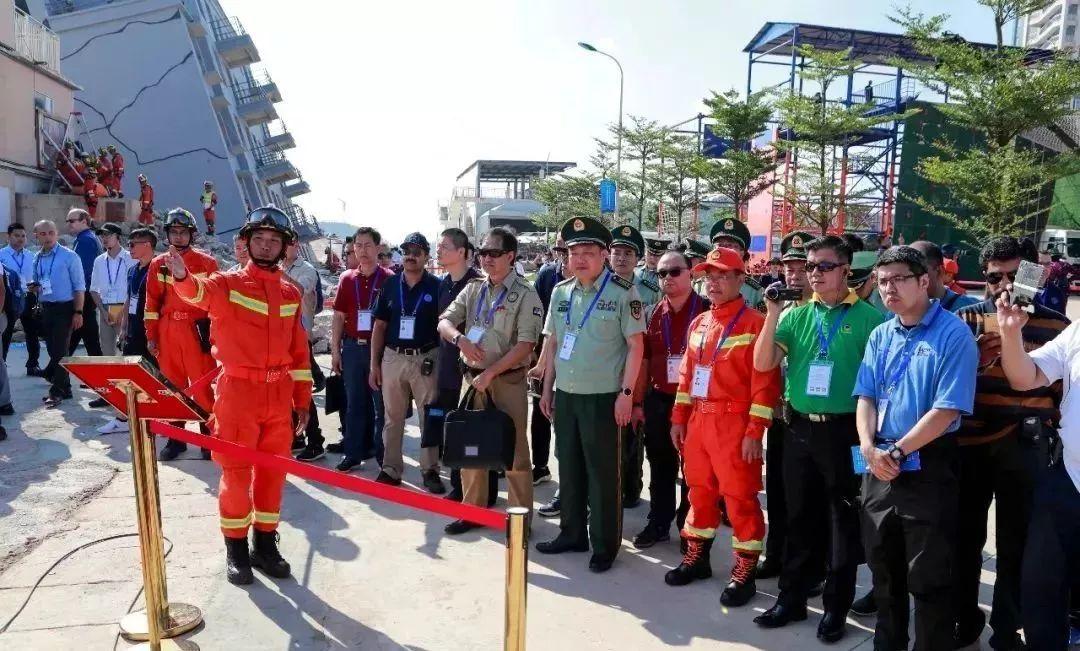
<point>89,248</point>
<point>941,374</point>
<point>421,302</point>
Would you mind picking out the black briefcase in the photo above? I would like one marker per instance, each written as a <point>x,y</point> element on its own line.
<point>478,438</point>
<point>335,394</point>
<point>431,436</point>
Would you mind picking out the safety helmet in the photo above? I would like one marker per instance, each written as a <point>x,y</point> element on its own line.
<point>141,178</point>
<point>112,149</point>
<point>102,150</point>
<point>181,217</point>
<point>269,218</point>
<point>208,184</point>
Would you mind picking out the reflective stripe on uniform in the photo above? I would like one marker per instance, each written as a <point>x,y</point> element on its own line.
<point>738,340</point>
<point>761,411</point>
<point>252,304</point>
<point>150,316</point>
<point>682,398</point>
<point>200,293</point>
<point>236,523</point>
<point>301,376</point>
<point>168,280</point>
<point>707,534</point>
<point>746,545</point>
<point>267,518</point>
<point>289,309</point>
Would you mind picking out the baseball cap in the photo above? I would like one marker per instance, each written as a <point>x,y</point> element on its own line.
<point>416,239</point>
<point>720,259</point>
<point>110,229</point>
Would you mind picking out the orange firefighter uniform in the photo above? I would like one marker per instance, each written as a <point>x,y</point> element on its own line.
<point>117,173</point>
<point>93,191</point>
<point>146,202</point>
<point>66,166</point>
<point>208,200</point>
<point>266,375</point>
<point>722,399</point>
<point>170,324</point>
<point>105,173</point>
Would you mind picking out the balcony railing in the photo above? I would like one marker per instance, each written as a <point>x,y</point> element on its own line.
<point>36,42</point>
<point>228,27</point>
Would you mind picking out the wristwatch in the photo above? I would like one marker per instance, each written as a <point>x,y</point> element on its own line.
<point>78,311</point>
<point>627,391</point>
<point>895,453</point>
<point>456,338</point>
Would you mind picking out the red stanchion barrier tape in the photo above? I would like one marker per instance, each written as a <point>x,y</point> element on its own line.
<point>403,496</point>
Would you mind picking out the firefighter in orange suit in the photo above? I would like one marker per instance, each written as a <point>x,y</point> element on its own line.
<point>146,201</point>
<point>722,408</point>
<point>105,170</point>
<point>93,191</point>
<point>265,385</point>
<point>117,171</point>
<point>178,334</point>
<point>208,199</point>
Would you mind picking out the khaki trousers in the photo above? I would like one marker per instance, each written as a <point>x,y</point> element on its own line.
<point>107,334</point>
<point>510,394</point>
<point>401,378</point>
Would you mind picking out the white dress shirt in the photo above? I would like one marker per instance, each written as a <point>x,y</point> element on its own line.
<point>305,275</point>
<point>110,277</point>
<point>1059,359</point>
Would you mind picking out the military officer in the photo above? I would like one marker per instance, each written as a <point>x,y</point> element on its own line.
<point>732,233</point>
<point>627,247</point>
<point>595,321</point>
<point>654,248</point>
<point>696,250</point>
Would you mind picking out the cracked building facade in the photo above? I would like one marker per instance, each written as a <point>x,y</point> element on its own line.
<point>174,85</point>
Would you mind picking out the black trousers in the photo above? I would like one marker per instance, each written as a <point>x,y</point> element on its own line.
<point>56,329</point>
<point>88,333</point>
<point>1051,561</point>
<point>540,429</point>
<point>663,458</point>
<point>633,454</point>
<point>909,531</point>
<point>448,399</point>
<point>312,431</point>
<point>1002,469</point>
<point>818,474</point>
<point>774,490</point>
<point>31,331</point>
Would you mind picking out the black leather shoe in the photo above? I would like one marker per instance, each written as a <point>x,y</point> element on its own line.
<point>311,453</point>
<point>9,410</point>
<point>780,615</point>
<point>172,450</point>
<point>768,568</point>
<point>969,628</point>
<point>864,606</point>
<point>33,371</point>
<point>336,448</point>
<point>600,564</point>
<point>206,453</point>
<point>560,545</point>
<point>458,527</point>
<point>384,478</point>
<point>96,403</point>
<point>348,464</point>
<point>298,443</point>
<point>831,627</point>
<point>237,562</point>
<point>266,557</point>
<point>652,534</point>
<point>454,495</point>
<point>432,483</point>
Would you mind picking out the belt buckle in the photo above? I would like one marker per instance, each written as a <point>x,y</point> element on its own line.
<point>816,418</point>
<point>273,375</point>
<point>180,316</point>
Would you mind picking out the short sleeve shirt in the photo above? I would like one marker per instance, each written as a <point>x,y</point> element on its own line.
<point>419,302</point>
<point>357,292</point>
<point>509,313</point>
<point>598,358</point>
<point>797,335</point>
<point>1059,359</point>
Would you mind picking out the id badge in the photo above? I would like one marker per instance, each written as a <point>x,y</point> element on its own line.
<point>882,407</point>
<point>673,369</point>
<point>133,305</point>
<point>363,320</point>
<point>408,327</point>
<point>475,334</point>
<point>46,287</point>
<point>568,341</point>
<point>699,388</point>
<point>819,378</point>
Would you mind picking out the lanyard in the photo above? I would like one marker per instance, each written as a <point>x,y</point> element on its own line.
<point>108,270</point>
<point>903,360</point>
<point>665,323</point>
<point>373,293</point>
<point>401,294</point>
<point>52,263</point>
<point>494,306</point>
<point>595,299</point>
<point>19,260</point>
<point>723,337</point>
<point>823,341</point>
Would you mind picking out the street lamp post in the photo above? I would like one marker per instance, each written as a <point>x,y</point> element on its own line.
<point>618,147</point>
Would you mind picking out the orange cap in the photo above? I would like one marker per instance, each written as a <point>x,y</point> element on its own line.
<point>720,259</point>
<point>950,267</point>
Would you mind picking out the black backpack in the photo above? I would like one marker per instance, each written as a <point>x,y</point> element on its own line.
<point>14,294</point>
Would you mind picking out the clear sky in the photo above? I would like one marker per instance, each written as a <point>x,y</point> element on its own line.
<point>390,101</point>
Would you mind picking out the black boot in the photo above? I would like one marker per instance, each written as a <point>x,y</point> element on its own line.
<point>742,587</point>
<point>172,450</point>
<point>265,555</point>
<point>695,563</point>
<point>237,561</point>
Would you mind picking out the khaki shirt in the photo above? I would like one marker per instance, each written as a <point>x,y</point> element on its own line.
<point>518,318</point>
<point>599,356</point>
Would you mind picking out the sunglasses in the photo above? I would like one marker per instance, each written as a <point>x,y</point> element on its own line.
<point>674,272</point>
<point>560,249</point>
<point>995,277</point>
<point>491,253</point>
<point>823,267</point>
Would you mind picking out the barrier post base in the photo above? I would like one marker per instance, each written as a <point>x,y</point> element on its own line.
<point>181,619</point>
<point>167,645</point>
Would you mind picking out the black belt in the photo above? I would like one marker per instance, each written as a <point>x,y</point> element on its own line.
<point>820,418</point>
<point>356,340</point>
<point>401,350</point>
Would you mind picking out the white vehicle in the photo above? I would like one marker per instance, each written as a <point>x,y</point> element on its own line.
<point>1062,242</point>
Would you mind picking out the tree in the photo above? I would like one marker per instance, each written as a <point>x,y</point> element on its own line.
<point>566,196</point>
<point>999,93</point>
<point>641,147</point>
<point>676,173</point>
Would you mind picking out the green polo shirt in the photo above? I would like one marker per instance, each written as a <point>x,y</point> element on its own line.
<point>797,335</point>
<point>599,356</point>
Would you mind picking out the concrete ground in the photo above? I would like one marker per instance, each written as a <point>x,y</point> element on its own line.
<point>367,574</point>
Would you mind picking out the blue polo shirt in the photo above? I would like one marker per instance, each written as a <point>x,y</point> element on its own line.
<point>421,303</point>
<point>940,375</point>
<point>88,246</point>
<point>952,301</point>
<point>62,268</point>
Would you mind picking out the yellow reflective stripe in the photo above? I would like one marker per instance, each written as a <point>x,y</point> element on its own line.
<point>150,316</point>
<point>301,376</point>
<point>781,346</point>
<point>746,545</point>
<point>760,411</point>
<point>252,304</point>
<point>267,518</point>
<point>201,274</point>
<point>738,340</point>
<point>236,523</point>
<point>289,309</point>
<point>200,294</point>
<point>682,398</point>
<point>707,534</point>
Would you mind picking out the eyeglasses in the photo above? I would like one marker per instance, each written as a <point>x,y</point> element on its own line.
<point>674,272</point>
<point>823,267</point>
<point>995,277</point>
<point>491,253</point>
<point>560,249</point>
<point>895,280</point>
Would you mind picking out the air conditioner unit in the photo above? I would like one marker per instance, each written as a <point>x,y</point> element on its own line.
<point>43,103</point>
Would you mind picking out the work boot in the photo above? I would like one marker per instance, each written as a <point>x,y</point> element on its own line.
<point>237,561</point>
<point>172,450</point>
<point>741,588</point>
<point>695,563</point>
<point>265,555</point>
<point>206,453</point>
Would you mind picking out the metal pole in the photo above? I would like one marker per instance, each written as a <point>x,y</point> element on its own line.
<point>618,147</point>
<point>517,557</point>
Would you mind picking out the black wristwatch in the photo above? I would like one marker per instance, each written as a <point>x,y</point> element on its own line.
<point>78,311</point>
<point>895,453</point>
<point>627,391</point>
<point>456,339</point>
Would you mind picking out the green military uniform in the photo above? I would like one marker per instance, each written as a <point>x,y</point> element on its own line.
<point>588,379</point>
<point>655,246</point>
<point>862,266</point>
<point>736,230</point>
<point>628,236</point>
<point>696,251</point>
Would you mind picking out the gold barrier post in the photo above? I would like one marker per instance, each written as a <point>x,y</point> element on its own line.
<point>161,620</point>
<point>517,558</point>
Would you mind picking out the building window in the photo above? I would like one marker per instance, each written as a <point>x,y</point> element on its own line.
<point>1072,9</point>
<point>1070,33</point>
<point>43,103</point>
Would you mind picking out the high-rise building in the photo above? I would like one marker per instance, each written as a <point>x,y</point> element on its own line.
<point>174,84</point>
<point>1052,28</point>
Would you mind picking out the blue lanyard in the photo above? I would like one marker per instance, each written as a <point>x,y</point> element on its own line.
<point>19,260</point>
<point>823,341</point>
<point>52,263</point>
<point>401,295</point>
<point>723,337</point>
<point>665,323</point>
<point>494,306</point>
<point>595,300</point>
<point>373,292</point>
<point>906,353</point>
<point>108,269</point>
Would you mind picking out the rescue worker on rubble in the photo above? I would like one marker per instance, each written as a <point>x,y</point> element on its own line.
<point>93,191</point>
<point>208,199</point>
<point>146,201</point>
<point>66,166</point>
<point>117,171</point>
<point>178,334</point>
<point>265,385</point>
<point>105,171</point>
<point>722,408</point>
